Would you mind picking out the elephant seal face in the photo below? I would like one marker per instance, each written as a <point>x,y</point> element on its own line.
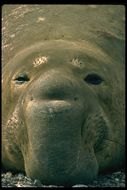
<point>63,92</point>
<point>61,126</point>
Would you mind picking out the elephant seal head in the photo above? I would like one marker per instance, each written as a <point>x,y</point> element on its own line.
<point>63,110</point>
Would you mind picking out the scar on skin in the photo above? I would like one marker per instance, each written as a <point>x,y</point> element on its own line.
<point>76,62</point>
<point>40,60</point>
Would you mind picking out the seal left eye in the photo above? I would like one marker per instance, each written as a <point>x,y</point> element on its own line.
<point>22,78</point>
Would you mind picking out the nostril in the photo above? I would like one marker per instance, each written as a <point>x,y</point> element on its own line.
<point>75,98</point>
<point>31,98</point>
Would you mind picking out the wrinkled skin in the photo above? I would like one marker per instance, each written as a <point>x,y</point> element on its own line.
<point>63,105</point>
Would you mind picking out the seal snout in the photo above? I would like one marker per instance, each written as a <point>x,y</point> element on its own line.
<point>54,119</point>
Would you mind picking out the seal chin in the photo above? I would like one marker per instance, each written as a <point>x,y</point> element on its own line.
<point>83,168</point>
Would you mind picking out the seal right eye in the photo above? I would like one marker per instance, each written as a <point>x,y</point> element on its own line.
<point>21,78</point>
<point>93,79</point>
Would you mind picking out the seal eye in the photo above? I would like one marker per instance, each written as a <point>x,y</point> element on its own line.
<point>93,79</point>
<point>21,78</point>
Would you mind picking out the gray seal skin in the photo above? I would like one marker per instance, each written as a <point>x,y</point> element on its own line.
<point>63,91</point>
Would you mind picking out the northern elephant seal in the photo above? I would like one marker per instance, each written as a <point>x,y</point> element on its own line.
<point>63,91</point>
